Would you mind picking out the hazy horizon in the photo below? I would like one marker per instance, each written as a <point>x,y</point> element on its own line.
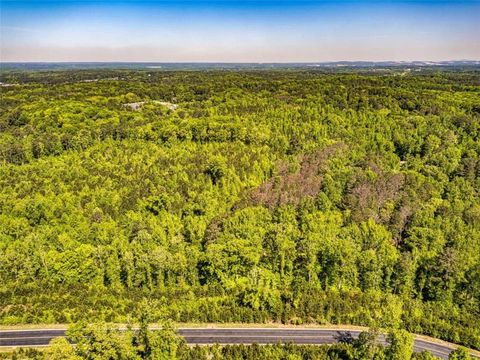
<point>240,62</point>
<point>238,32</point>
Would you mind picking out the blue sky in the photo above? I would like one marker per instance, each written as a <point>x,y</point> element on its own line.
<point>239,31</point>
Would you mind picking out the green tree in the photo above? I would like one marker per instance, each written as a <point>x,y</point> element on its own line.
<point>459,354</point>
<point>400,345</point>
<point>60,349</point>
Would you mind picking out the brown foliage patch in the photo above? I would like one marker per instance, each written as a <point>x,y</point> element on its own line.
<point>291,188</point>
<point>366,198</point>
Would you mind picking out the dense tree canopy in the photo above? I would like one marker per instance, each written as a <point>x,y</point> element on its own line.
<point>288,196</point>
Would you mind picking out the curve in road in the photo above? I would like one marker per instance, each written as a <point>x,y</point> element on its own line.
<point>205,336</point>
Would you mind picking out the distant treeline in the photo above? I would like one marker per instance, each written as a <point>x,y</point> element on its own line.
<point>335,65</point>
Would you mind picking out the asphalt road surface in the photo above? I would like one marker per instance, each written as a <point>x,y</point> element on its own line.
<point>203,336</point>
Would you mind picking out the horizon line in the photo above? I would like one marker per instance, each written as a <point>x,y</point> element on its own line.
<point>232,62</point>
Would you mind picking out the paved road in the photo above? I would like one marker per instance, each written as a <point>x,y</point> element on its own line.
<point>13,338</point>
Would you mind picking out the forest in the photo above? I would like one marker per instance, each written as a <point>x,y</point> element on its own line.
<point>282,196</point>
